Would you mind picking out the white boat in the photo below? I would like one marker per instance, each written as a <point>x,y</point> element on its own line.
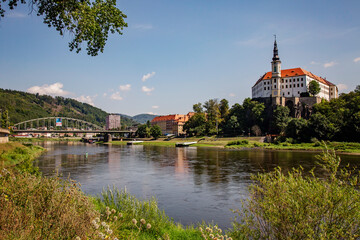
<point>184,144</point>
<point>133,142</point>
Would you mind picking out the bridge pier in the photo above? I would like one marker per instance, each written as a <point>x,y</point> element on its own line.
<point>108,137</point>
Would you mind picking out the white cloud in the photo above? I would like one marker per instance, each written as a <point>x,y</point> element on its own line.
<point>116,96</point>
<point>86,99</point>
<point>342,87</point>
<point>155,107</point>
<point>232,95</point>
<point>329,64</point>
<point>147,90</point>
<point>147,76</point>
<point>105,94</point>
<point>53,89</point>
<point>126,87</point>
<point>143,26</point>
<point>314,63</point>
<point>13,14</point>
<point>357,59</point>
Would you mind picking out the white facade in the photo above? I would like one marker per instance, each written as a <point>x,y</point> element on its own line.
<point>290,82</point>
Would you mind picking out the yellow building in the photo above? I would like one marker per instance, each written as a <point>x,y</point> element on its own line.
<point>172,124</point>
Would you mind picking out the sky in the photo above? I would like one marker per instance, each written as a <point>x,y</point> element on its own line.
<point>174,54</point>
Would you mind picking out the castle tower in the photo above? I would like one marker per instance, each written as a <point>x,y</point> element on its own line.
<point>276,72</point>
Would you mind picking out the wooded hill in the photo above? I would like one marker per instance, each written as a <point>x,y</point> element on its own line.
<point>24,106</point>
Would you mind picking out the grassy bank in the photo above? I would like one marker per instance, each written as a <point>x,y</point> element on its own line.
<point>248,143</point>
<point>16,154</point>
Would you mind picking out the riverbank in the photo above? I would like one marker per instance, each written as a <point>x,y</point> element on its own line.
<point>15,153</point>
<point>30,140</point>
<point>240,143</point>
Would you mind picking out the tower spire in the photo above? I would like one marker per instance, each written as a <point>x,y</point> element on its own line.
<point>276,54</point>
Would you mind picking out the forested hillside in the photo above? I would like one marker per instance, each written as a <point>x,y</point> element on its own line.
<point>24,106</point>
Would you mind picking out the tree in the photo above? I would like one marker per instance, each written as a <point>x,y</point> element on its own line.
<point>213,116</point>
<point>155,131</point>
<point>196,125</point>
<point>143,131</point>
<point>88,21</point>
<point>297,129</point>
<point>198,108</point>
<point>314,87</point>
<point>321,127</point>
<point>280,119</point>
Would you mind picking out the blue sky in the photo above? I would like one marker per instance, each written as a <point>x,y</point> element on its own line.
<point>178,53</point>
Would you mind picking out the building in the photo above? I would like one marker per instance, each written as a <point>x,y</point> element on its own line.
<point>113,122</point>
<point>4,135</point>
<point>284,84</point>
<point>172,124</point>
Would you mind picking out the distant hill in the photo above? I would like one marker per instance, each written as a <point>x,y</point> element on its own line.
<point>24,106</point>
<point>143,118</point>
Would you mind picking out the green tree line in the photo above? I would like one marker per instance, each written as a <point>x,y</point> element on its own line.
<point>335,120</point>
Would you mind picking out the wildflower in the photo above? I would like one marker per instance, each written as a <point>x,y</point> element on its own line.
<point>109,231</point>
<point>113,211</point>
<point>143,221</point>
<point>134,221</point>
<point>97,219</point>
<point>107,208</point>
<point>115,238</point>
<point>96,226</point>
<point>93,222</point>
<point>108,212</point>
<point>200,228</point>
<point>77,238</point>
<point>115,218</point>
<point>229,238</point>
<point>148,226</point>
<point>211,236</point>
<point>101,235</point>
<point>220,231</point>
<point>208,229</point>
<point>103,224</point>
<point>215,227</point>
<point>120,215</point>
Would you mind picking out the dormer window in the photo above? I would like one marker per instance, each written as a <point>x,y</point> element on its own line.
<point>275,69</point>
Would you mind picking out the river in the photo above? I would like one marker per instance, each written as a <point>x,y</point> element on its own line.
<point>191,184</point>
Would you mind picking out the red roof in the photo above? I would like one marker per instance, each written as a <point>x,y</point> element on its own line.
<point>293,72</point>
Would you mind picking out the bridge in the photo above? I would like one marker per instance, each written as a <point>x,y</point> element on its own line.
<point>63,125</point>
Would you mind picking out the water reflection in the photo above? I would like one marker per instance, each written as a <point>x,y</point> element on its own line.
<point>191,184</point>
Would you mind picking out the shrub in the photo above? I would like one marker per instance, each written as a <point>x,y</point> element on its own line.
<point>34,207</point>
<point>301,206</point>
<point>238,142</point>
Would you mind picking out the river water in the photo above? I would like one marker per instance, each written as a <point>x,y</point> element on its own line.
<point>191,184</point>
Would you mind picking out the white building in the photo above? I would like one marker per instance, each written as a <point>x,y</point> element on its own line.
<point>113,122</point>
<point>290,82</point>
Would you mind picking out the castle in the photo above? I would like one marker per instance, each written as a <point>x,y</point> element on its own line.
<point>289,87</point>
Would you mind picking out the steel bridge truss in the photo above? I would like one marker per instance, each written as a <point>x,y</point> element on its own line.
<point>50,123</point>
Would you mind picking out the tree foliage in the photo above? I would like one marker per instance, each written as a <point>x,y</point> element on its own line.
<point>143,131</point>
<point>295,205</point>
<point>314,87</point>
<point>155,131</point>
<point>88,21</point>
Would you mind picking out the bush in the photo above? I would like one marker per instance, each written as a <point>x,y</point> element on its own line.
<point>238,142</point>
<point>34,207</point>
<point>295,205</point>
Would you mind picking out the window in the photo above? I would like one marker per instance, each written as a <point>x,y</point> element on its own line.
<point>302,79</point>
<point>297,79</point>
<point>282,86</point>
<point>302,84</point>
<point>268,88</point>
<point>286,80</point>
<point>289,80</point>
<point>298,85</point>
<point>264,88</point>
<point>286,86</point>
<point>275,69</point>
<point>298,92</point>
<point>274,80</point>
<point>288,93</point>
<point>283,94</point>
<point>274,86</point>
<point>282,80</point>
<point>290,86</point>
<point>294,85</point>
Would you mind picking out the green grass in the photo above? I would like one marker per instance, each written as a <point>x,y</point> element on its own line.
<point>13,139</point>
